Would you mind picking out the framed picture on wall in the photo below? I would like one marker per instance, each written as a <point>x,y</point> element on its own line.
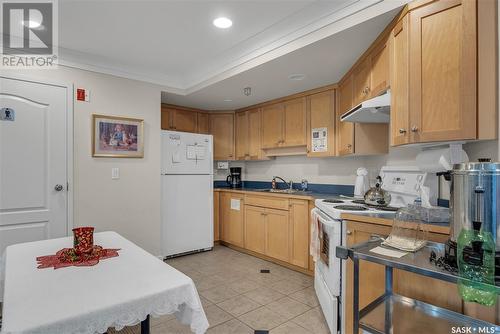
<point>117,137</point>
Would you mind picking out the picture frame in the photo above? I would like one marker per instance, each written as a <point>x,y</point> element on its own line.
<point>117,137</point>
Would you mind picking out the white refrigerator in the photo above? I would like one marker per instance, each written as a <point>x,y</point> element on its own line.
<point>187,193</point>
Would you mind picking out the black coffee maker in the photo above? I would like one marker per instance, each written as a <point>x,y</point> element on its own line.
<point>234,179</point>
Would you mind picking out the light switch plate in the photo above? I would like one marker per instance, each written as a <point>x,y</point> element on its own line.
<point>115,173</point>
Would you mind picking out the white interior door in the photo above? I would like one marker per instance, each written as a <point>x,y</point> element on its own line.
<point>33,162</point>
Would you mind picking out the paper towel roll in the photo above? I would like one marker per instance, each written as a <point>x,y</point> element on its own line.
<point>440,159</point>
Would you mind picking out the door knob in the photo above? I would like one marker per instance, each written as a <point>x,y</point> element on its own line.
<point>402,131</point>
<point>58,187</point>
<point>414,129</point>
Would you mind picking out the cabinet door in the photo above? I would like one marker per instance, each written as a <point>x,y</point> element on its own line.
<point>255,229</point>
<point>254,134</point>
<point>222,128</point>
<point>345,130</point>
<point>379,69</point>
<point>165,118</point>
<point>232,219</point>
<point>184,120</point>
<point>321,114</point>
<point>278,234</point>
<point>202,126</point>
<point>241,128</point>
<point>295,129</point>
<point>443,80</point>
<point>272,125</point>
<point>361,81</point>
<point>371,278</point>
<point>299,222</point>
<point>399,59</point>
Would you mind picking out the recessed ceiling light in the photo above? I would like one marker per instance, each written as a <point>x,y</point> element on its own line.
<point>228,100</point>
<point>296,77</point>
<point>222,22</point>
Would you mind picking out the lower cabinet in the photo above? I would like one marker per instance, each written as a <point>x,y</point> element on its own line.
<point>276,227</point>
<point>231,218</point>
<point>372,277</point>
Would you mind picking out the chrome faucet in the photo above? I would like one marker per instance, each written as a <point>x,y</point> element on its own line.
<point>273,182</point>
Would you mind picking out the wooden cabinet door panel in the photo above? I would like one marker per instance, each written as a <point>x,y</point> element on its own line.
<point>443,71</point>
<point>277,234</point>
<point>254,134</point>
<point>241,129</point>
<point>295,122</point>
<point>321,114</point>
<point>272,125</point>
<point>399,59</point>
<point>217,216</point>
<point>202,126</point>
<point>232,220</point>
<point>299,223</point>
<point>361,81</point>
<point>166,122</point>
<point>222,129</point>
<point>255,229</point>
<point>345,130</point>
<point>184,120</point>
<point>379,70</point>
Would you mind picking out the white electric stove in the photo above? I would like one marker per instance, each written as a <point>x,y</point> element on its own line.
<point>403,183</point>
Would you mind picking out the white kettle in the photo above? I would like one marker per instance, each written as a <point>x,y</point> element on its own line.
<point>362,185</point>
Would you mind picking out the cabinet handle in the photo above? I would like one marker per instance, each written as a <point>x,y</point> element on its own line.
<point>349,232</point>
<point>349,146</point>
<point>402,131</point>
<point>414,128</point>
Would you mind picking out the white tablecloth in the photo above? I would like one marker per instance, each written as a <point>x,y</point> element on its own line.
<point>117,292</point>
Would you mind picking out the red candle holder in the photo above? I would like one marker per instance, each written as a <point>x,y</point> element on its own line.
<point>83,239</point>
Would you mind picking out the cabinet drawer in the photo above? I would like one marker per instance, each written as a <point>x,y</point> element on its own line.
<point>268,202</point>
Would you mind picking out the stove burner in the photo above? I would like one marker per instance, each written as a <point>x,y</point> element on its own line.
<point>359,201</point>
<point>350,207</point>
<point>336,201</point>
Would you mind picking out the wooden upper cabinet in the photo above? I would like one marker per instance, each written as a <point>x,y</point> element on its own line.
<point>321,114</point>
<point>379,81</point>
<point>221,126</point>
<point>443,71</point>
<point>399,61</point>
<point>345,130</point>
<point>241,128</point>
<point>184,120</point>
<point>272,125</point>
<point>165,118</point>
<point>248,135</point>
<point>295,122</point>
<point>361,81</point>
<point>254,134</point>
<point>202,124</point>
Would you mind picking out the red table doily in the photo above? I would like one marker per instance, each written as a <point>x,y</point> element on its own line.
<point>67,257</point>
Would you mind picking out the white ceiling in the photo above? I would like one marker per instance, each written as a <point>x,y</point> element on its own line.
<point>175,45</point>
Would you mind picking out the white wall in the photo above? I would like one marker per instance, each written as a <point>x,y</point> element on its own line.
<point>130,205</point>
<point>342,170</point>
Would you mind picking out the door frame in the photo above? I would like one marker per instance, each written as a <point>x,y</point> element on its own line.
<point>69,136</point>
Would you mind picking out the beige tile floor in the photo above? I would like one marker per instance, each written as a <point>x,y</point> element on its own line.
<point>237,298</point>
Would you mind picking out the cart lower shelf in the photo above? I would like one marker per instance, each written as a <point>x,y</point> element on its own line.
<point>396,314</point>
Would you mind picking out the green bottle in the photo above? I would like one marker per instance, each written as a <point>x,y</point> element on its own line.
<point>476,264</point>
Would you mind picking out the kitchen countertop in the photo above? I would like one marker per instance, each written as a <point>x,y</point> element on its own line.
<point>310,195</point>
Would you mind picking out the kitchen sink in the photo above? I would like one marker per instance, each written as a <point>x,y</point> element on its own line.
<point>281,191</point>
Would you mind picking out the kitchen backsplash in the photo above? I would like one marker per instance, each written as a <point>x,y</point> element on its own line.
<point>342,170</point>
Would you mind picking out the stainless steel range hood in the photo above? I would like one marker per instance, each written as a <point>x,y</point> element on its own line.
<point>374,110</point>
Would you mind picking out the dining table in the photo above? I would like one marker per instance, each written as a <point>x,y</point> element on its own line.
<point>116,292</point>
